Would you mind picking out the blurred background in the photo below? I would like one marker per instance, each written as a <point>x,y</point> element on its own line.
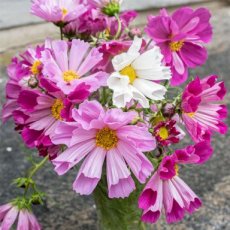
<point>65,210</point>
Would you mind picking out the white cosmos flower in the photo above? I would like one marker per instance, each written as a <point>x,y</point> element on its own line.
<point>135,74</point>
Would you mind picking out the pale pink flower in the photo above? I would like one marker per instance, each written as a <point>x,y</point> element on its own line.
<point>9,215</point>
<point>69,64</point>
<point>58,11</point>
<point>104,135</point>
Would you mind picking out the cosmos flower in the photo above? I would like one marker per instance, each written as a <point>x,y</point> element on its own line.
<point>68,66</point>
<point>166,132</point>
<point>9,215</point>
<point>104,135</point>
<point>57,11</point>
<point>173,195</point>
<point>24,73</point>
<point>181,38</point>
<point>46,111</point>
<point>201,111</point>
<point>134,75</point>
<point>165,190</point>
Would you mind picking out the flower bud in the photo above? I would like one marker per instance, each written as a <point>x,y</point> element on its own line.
<point>112,9</point>
<point>33,82</point>
<point>168,110</point>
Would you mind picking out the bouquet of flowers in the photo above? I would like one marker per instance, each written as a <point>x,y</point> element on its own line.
<point>106,101</point>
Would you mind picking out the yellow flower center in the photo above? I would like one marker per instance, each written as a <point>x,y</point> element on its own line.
<point>64,12</point>
<point>163,133</point>
<point>35,68</point>
<point>177,169</point>
<point>176,46</point>
<point>107,32</point>
<point>70,75</point>
<point>106,138</point>
<point>190,114</point>
<point>130,72</point>
<point>57,108</point>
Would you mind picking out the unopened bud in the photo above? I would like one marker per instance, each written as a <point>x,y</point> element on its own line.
<point>33,82</point>
<point>168,110</point>
<point>112,8</point>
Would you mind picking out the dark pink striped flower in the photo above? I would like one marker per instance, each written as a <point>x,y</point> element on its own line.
<point>201,111</point>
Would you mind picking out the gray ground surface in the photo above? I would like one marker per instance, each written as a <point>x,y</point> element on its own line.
<point>67,211</point>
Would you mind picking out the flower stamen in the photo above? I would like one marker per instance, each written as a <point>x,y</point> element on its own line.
<point>57,108</point>
<point>177,169</point>
<point>163,133</point>
<point>106,138</point>
<point>130,72</point>
<point>176,46</point>
<point>64,12</point>
<point>70,75</point>
<point>36,67</point>
<point>192,114</point>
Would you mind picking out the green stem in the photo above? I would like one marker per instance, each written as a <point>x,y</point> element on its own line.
<point>33,171</point>
<point>118,34</point>
<point>103,96</point>
<point>38,166</point>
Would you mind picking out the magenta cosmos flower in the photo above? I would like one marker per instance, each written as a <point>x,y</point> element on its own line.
<point>57,11</point>
<point>23,73</point>
<point>69,65</point>
<point>104,135</point>
<point>166,190</point>
<point>46,111</point>
<point>9,215</point>
<point>180,38</point>
<point>201,111</point>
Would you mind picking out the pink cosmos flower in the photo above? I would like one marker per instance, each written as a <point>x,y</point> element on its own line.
<point>104,135</point>
<point>57,11</point>
<point>10,213</point>
<point>181,38</point>
<point>46,111</point>
<point>24,73</point>
<point>70,67</point>
<point>200,112</point>
<point>15,73</point>
<point>166,190</point>
<point>173,195</point>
